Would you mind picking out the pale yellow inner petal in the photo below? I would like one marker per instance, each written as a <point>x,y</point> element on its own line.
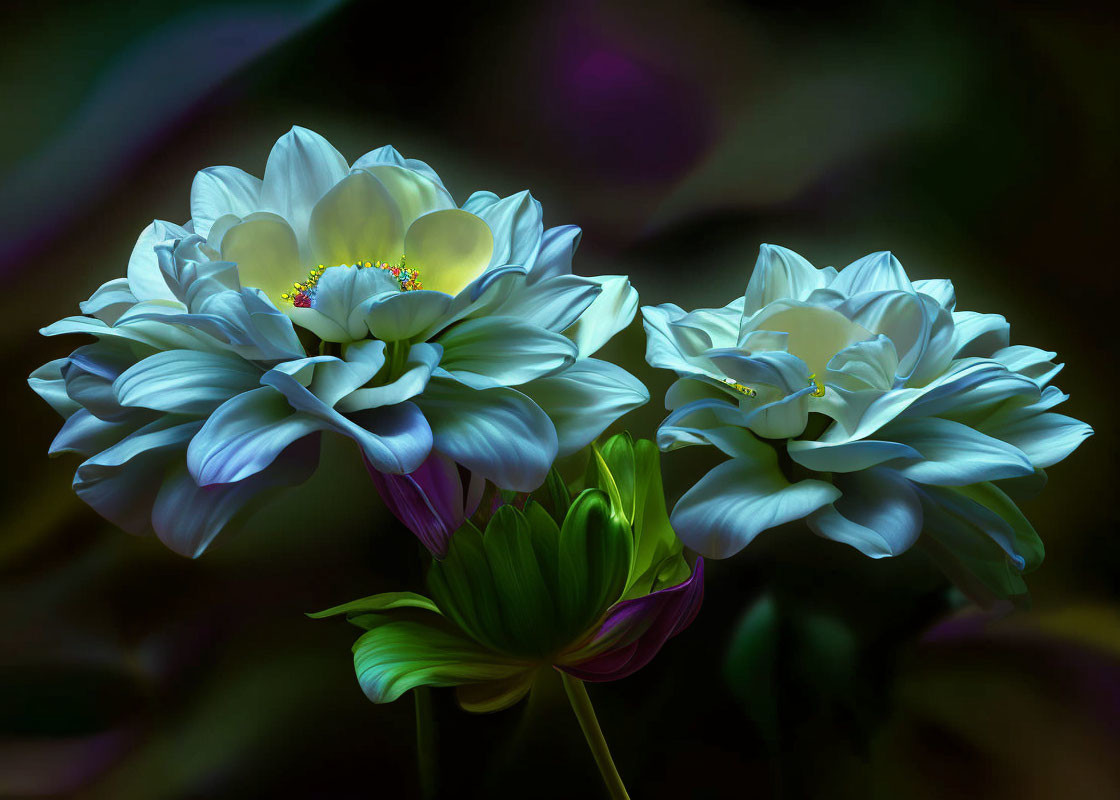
<point>414,194</point>
<point>266,252</point>
<point>450,249</point>
<point>357,220</point>
<point>815,334</point>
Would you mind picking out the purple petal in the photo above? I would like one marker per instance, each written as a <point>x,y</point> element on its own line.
<point>634,630</point>
<point>429,500</point>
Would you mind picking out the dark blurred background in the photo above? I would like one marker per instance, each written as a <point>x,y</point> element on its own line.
<point>977,142</point>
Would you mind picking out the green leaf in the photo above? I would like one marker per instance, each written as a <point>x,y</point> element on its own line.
<point>751,666</point>
<point>523,592</point>
<point>398,655</point>
<point>595,552</point>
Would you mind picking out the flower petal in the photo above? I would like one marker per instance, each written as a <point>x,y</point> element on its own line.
<point>302,167</point>
<point>413,193</point>
<point>634,631</point>
<point>145,280</point>
<point>879,513</point>
<point>583,400</point>
<point>739,499</point>
<point>515,222</point>
<point>343,297</point>
<point>357,220</point>
<point>428,500</point>
<point>876,272</point>
<point>779,273</point>
<point>1046,439</point>
<point>558,247</point>
<point>187,517</point>
<point>245,435</point>
<point>185,381</point>
<point>499,433</point>
<point>121,482</point>
<point>110,300</point>
<point>387,154</point>
<point>610,312</point>
<point>953,454</point>
<point>267,255</point>
<point>450,249</point>
<point>217,191</point>
<point>507,350</point>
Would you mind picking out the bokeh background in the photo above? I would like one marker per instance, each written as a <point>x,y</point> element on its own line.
<point>977,142</point>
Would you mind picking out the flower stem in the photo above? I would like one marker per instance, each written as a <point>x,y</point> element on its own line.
<point>585,713</point>
<point>425,742</point>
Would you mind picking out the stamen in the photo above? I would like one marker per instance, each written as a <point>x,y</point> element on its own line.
<point>303,294</point>
<point>819,390</point>
<point>740,388</point>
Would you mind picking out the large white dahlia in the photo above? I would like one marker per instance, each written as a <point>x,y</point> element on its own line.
<point>865,403</point>
<point>358,299</point>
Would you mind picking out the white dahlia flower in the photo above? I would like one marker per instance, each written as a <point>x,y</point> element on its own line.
<point>866,404</point>
<point>358,299</point>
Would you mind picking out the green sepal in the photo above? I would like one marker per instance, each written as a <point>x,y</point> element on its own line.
<point>523,592</point>
<point>358,611</point>
<point>615,462</point>
<point>556,493</point>
<point>397,655</point>
<point>463,587</point>
<point>1028,544</point>
<point>595,554</point>
<point>658,554</point>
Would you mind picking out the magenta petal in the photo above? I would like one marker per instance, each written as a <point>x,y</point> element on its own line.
<point>638,628</point>
<point>429,501</point>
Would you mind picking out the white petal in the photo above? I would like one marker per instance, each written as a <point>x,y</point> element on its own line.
<point>414,193</point>
<point>879,513</point>
<point>739,499</point>
<point>388,154</point>
<point>877,272</point>
<point>245,435</point>
<point>265,250</point>
<point>516,224</point>
<point>185,381</point>
<point>848,456</point>
<point>218,191</point>
<point>954,454</point>
<point>610,312</point>
<point>508,350</point>
<point>940,289</point>
<point>449,248</point>
<point>1046,439</point>
<point>1038,365</point>
<point>978,335</point>
<point>145,280</point>
<point>302,167</point>
<point>583,400</point>
<point>780,274</point>
<point>558,247</point>
<point>357,220</point>
<point>110,300</point>
<point>499,433</point>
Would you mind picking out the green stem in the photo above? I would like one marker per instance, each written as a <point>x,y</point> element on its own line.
<point>425,743</point>
<point>585,713</point>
